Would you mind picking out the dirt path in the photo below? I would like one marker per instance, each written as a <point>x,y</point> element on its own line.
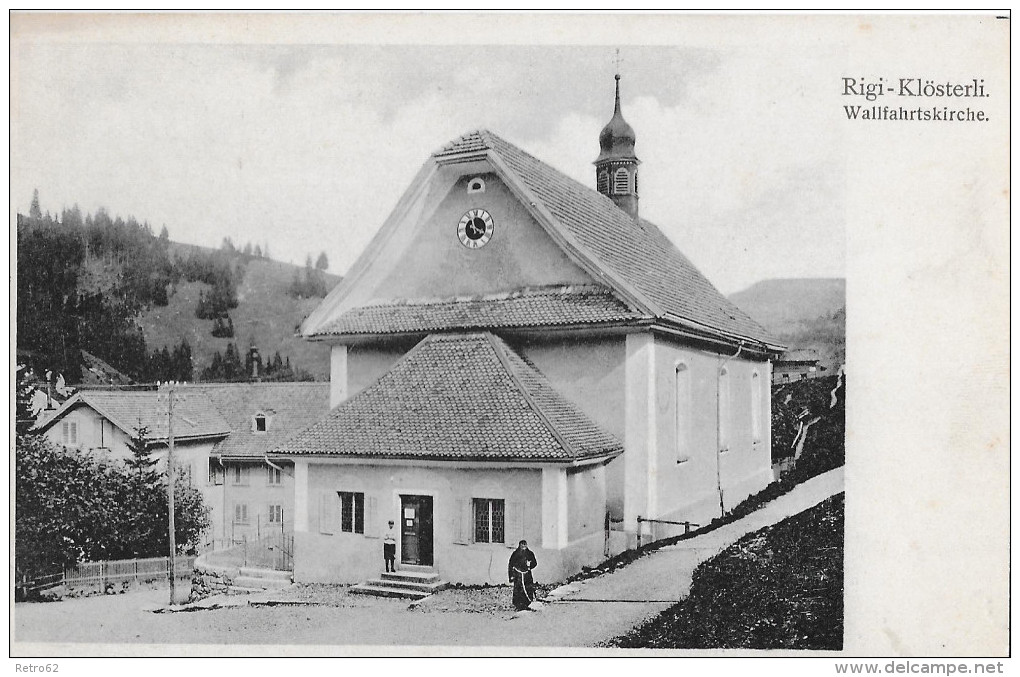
<point>597,609</point>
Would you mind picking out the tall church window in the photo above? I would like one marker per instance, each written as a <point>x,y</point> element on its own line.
<point>621,181</point>
<point>603,184</point>
<point>724,409</point>
<point>682,412</point>
<point>755,407</point>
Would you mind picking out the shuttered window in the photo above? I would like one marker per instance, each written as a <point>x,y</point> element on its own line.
<point>489,520</point>
<point>352,512</point>
<point>621,181</point>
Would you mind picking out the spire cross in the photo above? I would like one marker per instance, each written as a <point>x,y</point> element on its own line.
<point>618,60</point>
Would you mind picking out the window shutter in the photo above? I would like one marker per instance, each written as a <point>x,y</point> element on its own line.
<point>514,523</point>
<point>371,521</point>
<point>327,512</point>
<point>462,522</point>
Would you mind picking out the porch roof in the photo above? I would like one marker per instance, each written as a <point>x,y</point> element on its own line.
<point>458,397</point>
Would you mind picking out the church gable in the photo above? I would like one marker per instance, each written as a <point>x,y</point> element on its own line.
<point>459,234</point>
<point>478,240</point>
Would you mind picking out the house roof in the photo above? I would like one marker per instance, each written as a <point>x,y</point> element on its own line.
<point>194,415</point>
<point>288,407</point>
<point>534,307</point>
<point>458,397</point>
<point>643,269</point>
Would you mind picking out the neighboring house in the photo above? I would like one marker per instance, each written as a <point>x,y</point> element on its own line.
<point>252,488</point>
<point>516,355</point>
<point>222,435</point>
<point>796,365</point>
<point>102,422</point>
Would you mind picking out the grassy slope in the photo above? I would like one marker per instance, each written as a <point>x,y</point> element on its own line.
<point>265,312</point>
<point>778,588</point>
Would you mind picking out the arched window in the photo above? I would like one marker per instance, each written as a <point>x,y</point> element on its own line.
<point>756,407</point>
<point>603,182</point>
<point>724,409</point>
<point>682,413</point>
<point>476,185</point>
<point>621,181</point>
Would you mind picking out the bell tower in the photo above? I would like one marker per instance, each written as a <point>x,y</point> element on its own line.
<point>616,167</point>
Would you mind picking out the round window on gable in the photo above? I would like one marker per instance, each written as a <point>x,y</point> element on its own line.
<point>476,185</point>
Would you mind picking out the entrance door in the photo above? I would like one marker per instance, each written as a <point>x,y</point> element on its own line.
<point>416,530</point>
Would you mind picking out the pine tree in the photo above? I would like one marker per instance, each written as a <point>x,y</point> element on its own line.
<point>141,463</point>
<point>34,211</point>
<point>322,263</point>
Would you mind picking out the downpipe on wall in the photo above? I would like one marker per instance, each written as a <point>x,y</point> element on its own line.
<point>718,427</point>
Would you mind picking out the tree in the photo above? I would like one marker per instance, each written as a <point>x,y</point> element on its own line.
<point>322,263</point>
<point>141,463</point>
<point>34,211</point>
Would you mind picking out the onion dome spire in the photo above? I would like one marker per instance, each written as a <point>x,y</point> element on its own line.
<point>616,174</point>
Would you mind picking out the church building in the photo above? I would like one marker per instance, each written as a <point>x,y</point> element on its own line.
<point>519,356</point>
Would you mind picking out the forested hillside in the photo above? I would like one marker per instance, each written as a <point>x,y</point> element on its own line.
<point>156,310</point>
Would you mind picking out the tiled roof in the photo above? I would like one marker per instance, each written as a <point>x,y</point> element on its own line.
<point>194,415</point>
<point>587,304</point>
<point>635,250</point>
<point>289,407</point>
<point>458,397</point>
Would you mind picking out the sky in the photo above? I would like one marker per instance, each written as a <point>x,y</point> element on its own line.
<point>308,147</point>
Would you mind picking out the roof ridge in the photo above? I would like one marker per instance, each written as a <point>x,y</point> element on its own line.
<point>501,349</point>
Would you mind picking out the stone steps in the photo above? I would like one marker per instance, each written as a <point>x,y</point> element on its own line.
<point>416,583</point>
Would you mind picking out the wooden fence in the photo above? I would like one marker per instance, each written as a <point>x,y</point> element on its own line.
<point>89,574</point>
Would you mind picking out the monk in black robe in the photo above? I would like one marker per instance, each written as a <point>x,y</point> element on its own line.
<point>522,561</point>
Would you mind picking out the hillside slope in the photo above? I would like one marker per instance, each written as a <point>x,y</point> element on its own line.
<point>781,305</point>
<point>805,313</point>
<point>266,315</point>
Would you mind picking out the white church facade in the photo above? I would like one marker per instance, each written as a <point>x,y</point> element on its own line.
<point>519,356</point>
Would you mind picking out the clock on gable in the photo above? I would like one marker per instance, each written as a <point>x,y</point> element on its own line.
<point>475,228</point>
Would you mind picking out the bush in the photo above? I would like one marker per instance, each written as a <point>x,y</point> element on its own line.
<point>71,508</point>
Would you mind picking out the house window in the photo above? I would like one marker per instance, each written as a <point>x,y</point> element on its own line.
<point>621,181</point>
<point>276,514</point>
<point>603,182</point>
<point>261,424</point>
<point>352,512</point>
<point>240,513</point>
<point>682,412</point>
<point>756,407</point>
<point>239,475</point>
<point>215,472</point>
<point>274,476</point>
<point>69,432</point>
<point>724,409</point>
<point>489,520</point>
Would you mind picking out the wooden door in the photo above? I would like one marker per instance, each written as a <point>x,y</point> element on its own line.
<point>416,530</point>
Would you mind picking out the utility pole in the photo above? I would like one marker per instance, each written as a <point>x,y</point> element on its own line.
<point>171,395</point>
